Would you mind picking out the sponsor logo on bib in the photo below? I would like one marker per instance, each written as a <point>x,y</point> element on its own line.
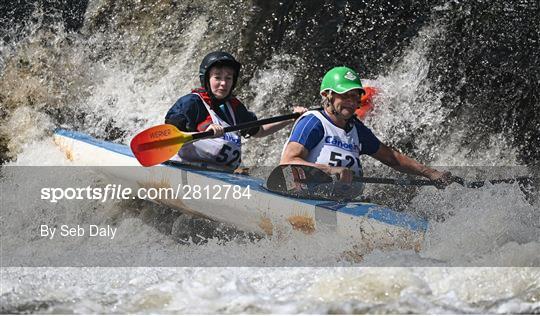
<point>335,141</point>
<point>231,138</point>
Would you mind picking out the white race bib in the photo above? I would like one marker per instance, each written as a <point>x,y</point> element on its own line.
<point>225,151</point>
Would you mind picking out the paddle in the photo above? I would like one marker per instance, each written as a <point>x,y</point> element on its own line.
<point>282,176</point>
<point>306,181</point>
<point>522,181</point>
<point>159,143</point>
<point>309,183</point>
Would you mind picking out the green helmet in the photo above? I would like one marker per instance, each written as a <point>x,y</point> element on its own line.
<point>341,80</point>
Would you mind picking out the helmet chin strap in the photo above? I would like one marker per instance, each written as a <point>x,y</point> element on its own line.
<point>334,111</point>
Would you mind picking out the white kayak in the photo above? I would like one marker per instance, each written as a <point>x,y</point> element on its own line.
<point>252,208</point>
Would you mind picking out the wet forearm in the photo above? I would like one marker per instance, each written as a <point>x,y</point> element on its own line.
<point>400,162</point>
<point>411,166</point>
<point>297,160</point>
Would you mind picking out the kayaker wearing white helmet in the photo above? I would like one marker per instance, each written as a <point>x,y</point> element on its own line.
<point>333,139</point>
<point>213,107</point>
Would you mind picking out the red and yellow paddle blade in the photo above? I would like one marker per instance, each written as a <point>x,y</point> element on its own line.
<point>158,144</point>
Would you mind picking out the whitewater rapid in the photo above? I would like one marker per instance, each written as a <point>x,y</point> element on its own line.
<point>113,83</point>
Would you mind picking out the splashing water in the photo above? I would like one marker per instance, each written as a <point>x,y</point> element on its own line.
<point>129,62</point>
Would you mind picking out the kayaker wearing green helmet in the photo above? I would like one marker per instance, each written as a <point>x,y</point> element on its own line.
<point>333,139</point>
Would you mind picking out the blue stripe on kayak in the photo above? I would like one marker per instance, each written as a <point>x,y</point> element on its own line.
<point>117,148</point>
<point>241,180</point>
<point>377,212</point>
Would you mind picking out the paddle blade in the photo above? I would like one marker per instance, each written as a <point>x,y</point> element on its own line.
<point>308,182</point>
<point>290,178</point>
<point>158,144</point>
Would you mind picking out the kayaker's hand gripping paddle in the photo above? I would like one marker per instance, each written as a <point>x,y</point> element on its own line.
<point>159,143</point>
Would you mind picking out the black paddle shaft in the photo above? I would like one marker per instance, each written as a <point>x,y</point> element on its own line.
<point>312,174</point>
<point>315,175</point>
<point>248,125</point>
